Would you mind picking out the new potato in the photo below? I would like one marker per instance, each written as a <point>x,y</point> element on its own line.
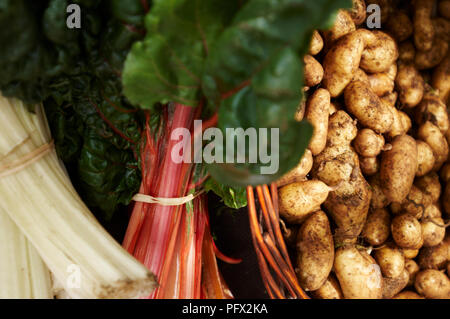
<point>425,158</point>
<point>298,200</point>
<point>313,71</point>
<point>343,24</point>
<point>341,62</point>
<point>377,227</point>
<point>379,199</point>
<point>329,290</point>
<point>445,173</point>
<point>400,25</point>
<point>392,286</point>
<point>315,251</point>
<point>317,113</point>
<point>430,185</point>
<point>379,53</point>
<point>441,28</point>
<point>316,43</point>
<point>435,257</point>
<point>407,231</point>
<point>406,52</point>
<point>378,105</point>
<point>409,84</point>
<point>416,202</point>
<point>441,78</point>
<point>423,26</point>
<point>432,284</point>
<point>367,107</point>
<point>383,83</point>
<point>385,6</point>
<point>433,231</point>
<point>369,165</point>
<point>358,274</point>
<point>412,268</point>
<point>432,109</point>
<point>406,294</point>
<point>410,253</point>
<point>338,166</point>
<point>368,143</point>
<point>431,58</point>
<point>400,124</point>
<point>391,260</point>
<point>432,135</point>
<point>398,168</point>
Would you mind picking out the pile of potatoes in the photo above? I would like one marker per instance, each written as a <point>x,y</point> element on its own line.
<point>367,207</point>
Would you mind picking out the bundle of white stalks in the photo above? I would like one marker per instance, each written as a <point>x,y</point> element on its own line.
<point>39,197</point>
<point>23,274</point>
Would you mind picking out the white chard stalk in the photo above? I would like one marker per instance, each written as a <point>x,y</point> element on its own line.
<point>40,199</point>
<point>23,274</point>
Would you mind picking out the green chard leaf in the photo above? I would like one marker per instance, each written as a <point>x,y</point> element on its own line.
<point>259,31</point>
<point>168,64</point>
<point>251,50</point>
<point>107,168</point>
<point>76,73</point>
<point>263,105</point>
<point>262,47</point>
<point>101,156</point>
<point>40,49</point>
<point>234,197</point>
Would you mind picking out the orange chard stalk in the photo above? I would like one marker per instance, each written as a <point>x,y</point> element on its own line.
<point>270,248</point>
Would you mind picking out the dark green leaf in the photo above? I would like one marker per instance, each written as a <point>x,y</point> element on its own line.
<point>268,103</point>
<point>234,197</point>
<point>77,75</point>
<point>129,11</point>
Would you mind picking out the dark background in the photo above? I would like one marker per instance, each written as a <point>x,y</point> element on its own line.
<point>231,231</point>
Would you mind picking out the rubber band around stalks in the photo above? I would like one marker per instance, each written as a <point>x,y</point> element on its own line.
<point>27,160</point>
<point>166,201</point>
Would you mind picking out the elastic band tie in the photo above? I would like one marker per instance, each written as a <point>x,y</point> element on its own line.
<point>30,158</point>
<point>164,201</point>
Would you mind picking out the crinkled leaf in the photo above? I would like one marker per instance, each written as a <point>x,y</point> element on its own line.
<point>39,48</point>
<point>76,72</point>
<point>104,167</point>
